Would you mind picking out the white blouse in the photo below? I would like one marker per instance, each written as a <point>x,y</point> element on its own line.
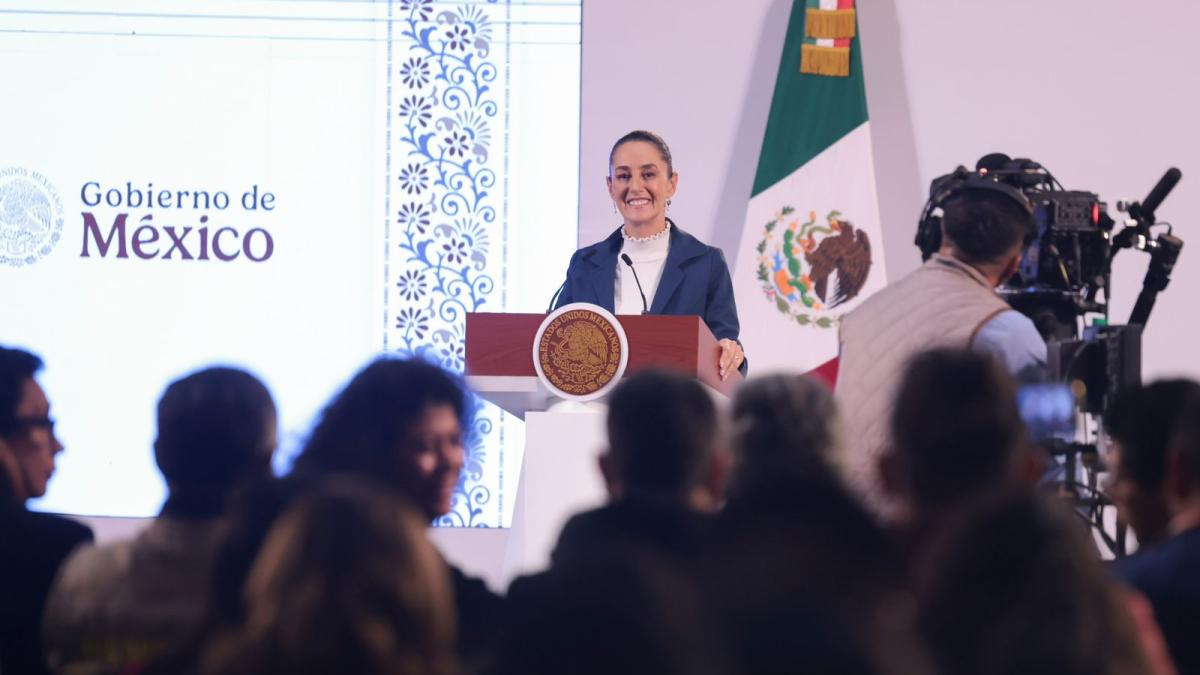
<point>649,256</point>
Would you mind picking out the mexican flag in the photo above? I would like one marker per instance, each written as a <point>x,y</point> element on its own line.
<point>811,246</point>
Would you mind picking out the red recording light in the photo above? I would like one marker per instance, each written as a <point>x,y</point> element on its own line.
<point>1096,214</point>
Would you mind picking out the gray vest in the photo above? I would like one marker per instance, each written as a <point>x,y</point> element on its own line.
<point>943,303</point>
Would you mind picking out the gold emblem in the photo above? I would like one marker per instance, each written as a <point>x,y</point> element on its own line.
<point>580,351</point>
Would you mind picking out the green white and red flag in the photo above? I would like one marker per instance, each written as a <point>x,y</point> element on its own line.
<point>811,245</point>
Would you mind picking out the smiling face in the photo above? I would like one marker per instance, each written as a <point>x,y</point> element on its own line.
<point>640,183</point>
<point>34,444</point>
<point>431,459</point>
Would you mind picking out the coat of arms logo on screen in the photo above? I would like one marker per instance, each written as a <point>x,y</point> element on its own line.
<point>31,218</point>
<point>580,351</point>
<point>808,269</point>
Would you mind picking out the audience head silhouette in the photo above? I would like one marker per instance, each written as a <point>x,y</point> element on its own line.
<point>663,439</point>
<point>956,432</point>
<point>399,422</point>
<point>26,428</point>
<point>1183,472</point>
<point>986,229</point>
<point>810,576</point>
<point>1140,422</point>
<point>216,428</point>
<point>784,430</point>
<point>33,545</point>
<point>344,582</point>
<point>1017,588</point>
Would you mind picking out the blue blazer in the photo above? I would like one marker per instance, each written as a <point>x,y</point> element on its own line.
<point>695,281</point>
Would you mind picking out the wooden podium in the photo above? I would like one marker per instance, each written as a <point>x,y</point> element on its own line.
<point>559,472</point>
<point>499,355</point>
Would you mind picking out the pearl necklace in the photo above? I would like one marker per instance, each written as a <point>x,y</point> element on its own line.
<point>642,240</point>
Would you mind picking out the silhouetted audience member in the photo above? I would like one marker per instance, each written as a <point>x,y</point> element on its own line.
<point>253,510</point>
<point>1139,424</point>
<point>624,592</point>
<point>127,602</point>
<point>665,466</point>
<point>400,423</point>
<point>808,581</point>
<point>956,437</point>
<point>345,582</point>
<point>1168,573</point>
<point>785,428</point>
<point>627,610</point>
<point>1018,589</point>
<point>32,545</point>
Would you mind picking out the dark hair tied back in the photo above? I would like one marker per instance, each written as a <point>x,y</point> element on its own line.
<point>645,137</point>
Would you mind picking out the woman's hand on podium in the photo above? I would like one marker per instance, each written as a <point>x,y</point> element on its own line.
<point>731,357</point>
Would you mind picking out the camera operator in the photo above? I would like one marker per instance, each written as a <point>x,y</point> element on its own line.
<point>950,301</point>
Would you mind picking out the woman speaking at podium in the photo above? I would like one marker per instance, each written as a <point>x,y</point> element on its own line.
<point>649,265</point>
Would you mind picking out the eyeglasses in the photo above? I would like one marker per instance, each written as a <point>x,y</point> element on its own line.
<point>24,423</point>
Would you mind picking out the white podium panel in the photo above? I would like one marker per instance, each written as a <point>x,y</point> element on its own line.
<point>516,394</point>
<point>560,476</point>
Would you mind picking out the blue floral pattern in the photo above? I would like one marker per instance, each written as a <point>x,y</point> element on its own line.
<point>415,73</point>
<point>416,110</point>
<point>440,149</point>
<point>412,284</point>
<point>414,178</point>
<point>415,217</point>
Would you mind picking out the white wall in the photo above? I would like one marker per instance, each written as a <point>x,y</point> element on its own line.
<point>1100,91</point>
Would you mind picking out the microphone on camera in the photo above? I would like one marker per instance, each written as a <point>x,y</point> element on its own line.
<point>1161,189</point>
<point>629,261</point>
<point>1143,212</point>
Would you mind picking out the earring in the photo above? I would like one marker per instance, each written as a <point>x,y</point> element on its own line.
<point>668,204</point>
<point>614,207</point>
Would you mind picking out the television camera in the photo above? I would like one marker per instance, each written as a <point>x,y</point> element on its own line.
<point>1063,285</point>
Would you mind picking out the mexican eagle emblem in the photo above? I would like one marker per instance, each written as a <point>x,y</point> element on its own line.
<point>810,268</point>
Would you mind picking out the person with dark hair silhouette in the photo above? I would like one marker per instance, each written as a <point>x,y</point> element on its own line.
<point>956,437</point>
<point>624,610</point>
<point>808,581</point>
<point>1016,588</point>
<point>32,545</point>
<point>1139,425</point>
<point>785,429</point>
<point>127,602</point>
<point>26,427</point>
<point>1166,572</point>
<point>345,581</point>
<point>624,588</point>
<point>399,424</point>
<point>664,443</point>
<point>253,510</point>
<point>663,469</point>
